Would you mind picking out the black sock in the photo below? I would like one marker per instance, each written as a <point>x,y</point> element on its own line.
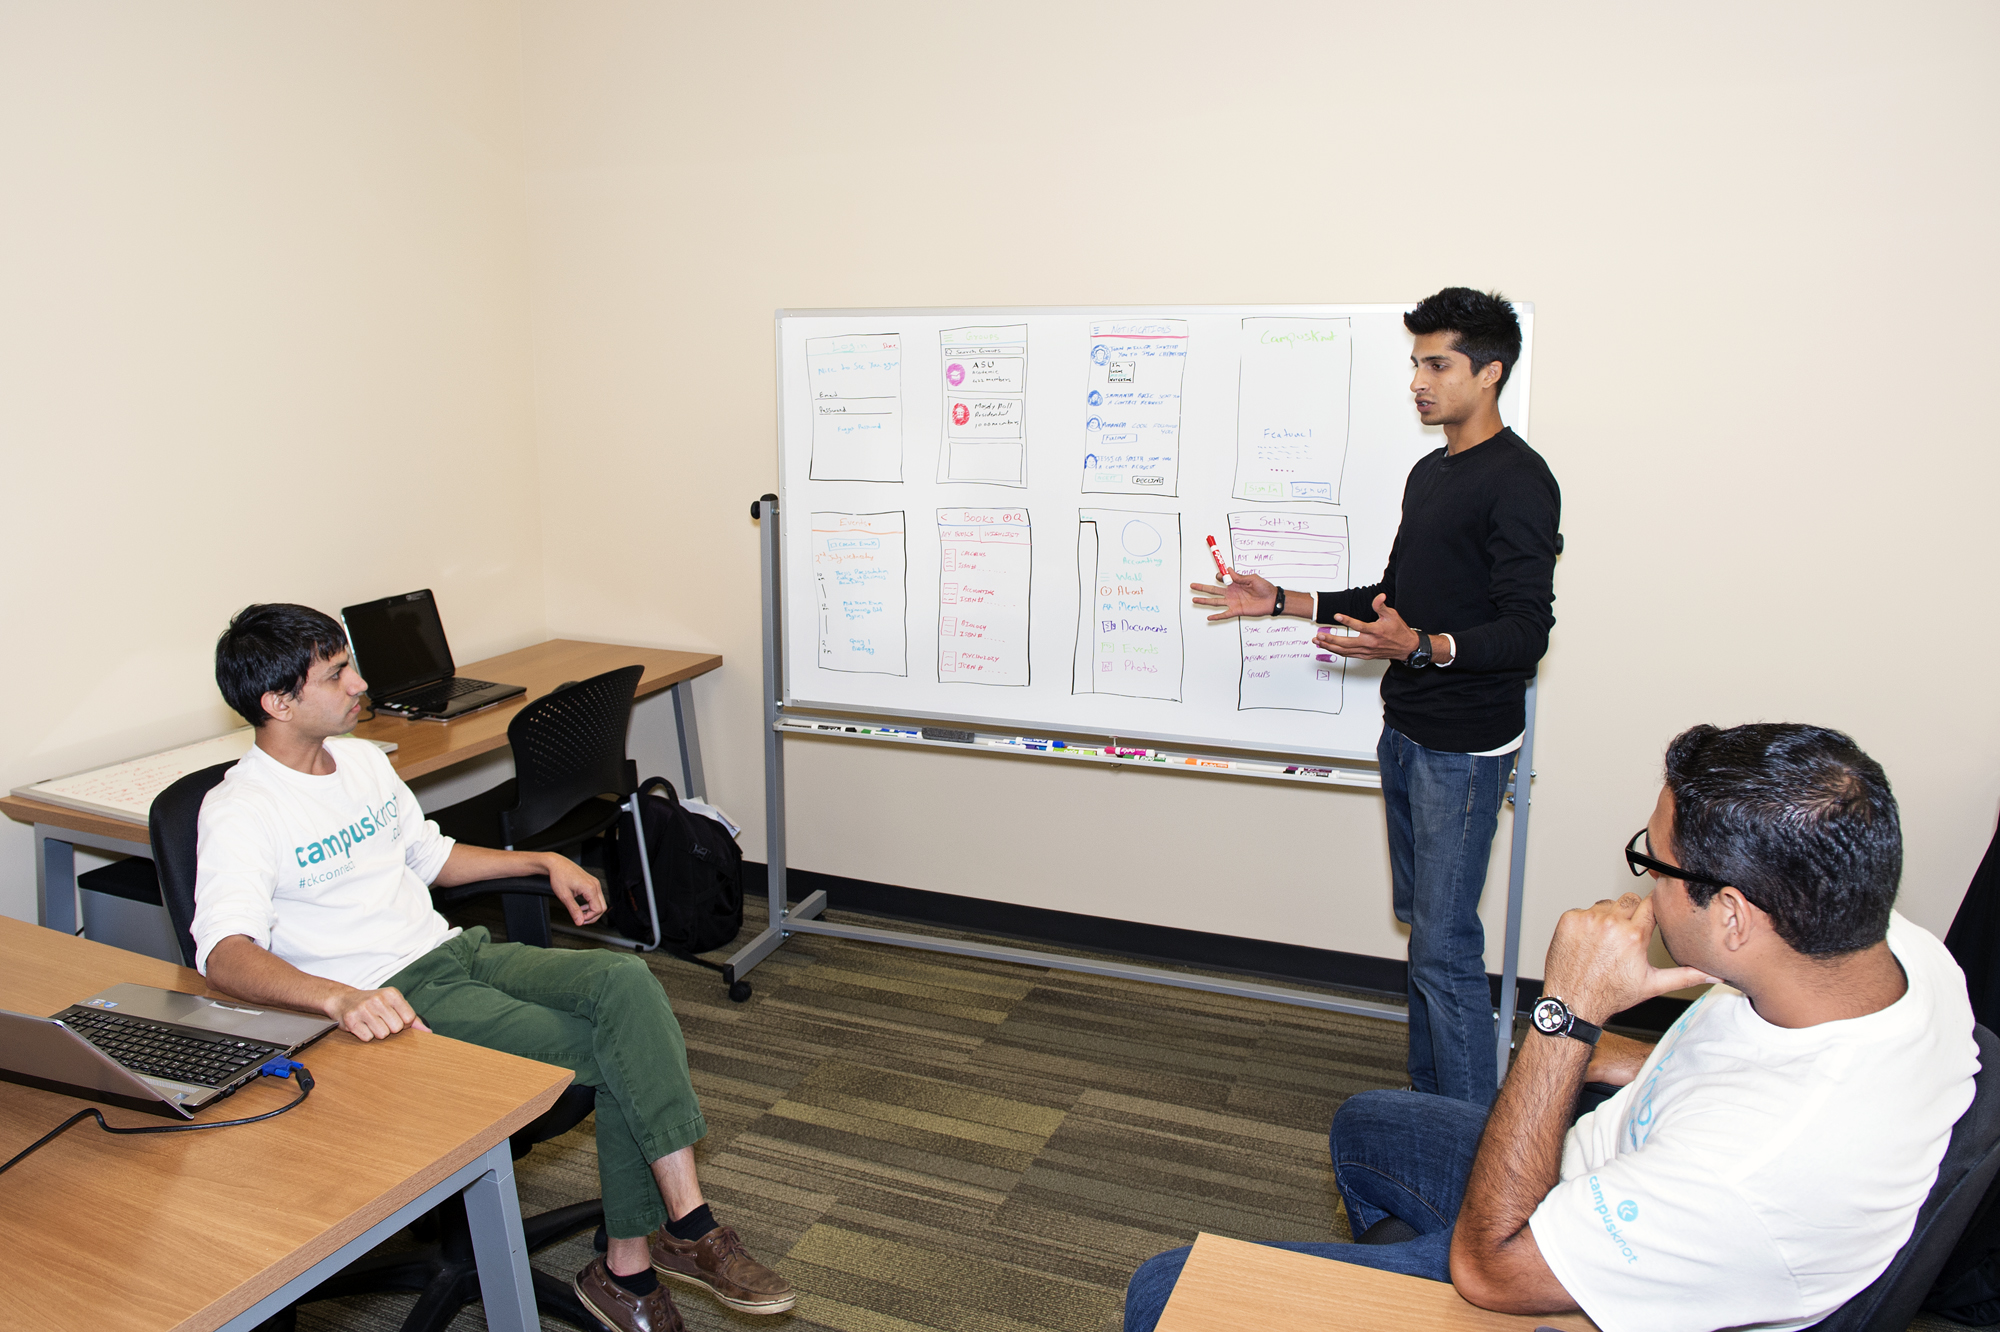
<point>641,1282</point>
<point>692,1226</point>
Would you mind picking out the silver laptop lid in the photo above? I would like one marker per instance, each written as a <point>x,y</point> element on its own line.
<point>46,1051</point>
<point>227,1017</point>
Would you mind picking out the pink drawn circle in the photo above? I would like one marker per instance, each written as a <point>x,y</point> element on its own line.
<point>954,374</point>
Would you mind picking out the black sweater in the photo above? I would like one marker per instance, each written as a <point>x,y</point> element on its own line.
<point>1475,557</point>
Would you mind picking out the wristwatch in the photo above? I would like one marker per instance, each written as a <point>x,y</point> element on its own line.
<point>1422,656</point>
<point>1551,1017</point>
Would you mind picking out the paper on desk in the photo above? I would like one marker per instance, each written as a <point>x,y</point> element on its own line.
<point>126,790</point>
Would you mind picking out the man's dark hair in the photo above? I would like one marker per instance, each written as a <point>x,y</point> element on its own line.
<point>1796,818</point>
<point>1485,324</point>
<point>271,649</point>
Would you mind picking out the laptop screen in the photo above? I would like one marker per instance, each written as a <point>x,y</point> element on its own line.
<point>398,642</point>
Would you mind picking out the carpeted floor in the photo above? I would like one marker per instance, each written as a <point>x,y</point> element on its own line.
<point>921,1141</point>
<point>926,1141</point>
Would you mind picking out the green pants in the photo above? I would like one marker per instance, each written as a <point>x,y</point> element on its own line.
<point>600,1014</point>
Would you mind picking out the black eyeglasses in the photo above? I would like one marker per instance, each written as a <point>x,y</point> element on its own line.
<point>1641,863</point>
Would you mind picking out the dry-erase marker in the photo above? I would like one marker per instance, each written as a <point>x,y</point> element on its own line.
<point>1221,569</point>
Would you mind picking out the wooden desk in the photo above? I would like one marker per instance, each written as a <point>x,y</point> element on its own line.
<point>1228,1283</point>
<point>422,748</point>
<point>220,1230</point>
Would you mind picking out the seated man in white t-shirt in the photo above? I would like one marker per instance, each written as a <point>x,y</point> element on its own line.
<point>1765,1161</point>
<point>311,892</point>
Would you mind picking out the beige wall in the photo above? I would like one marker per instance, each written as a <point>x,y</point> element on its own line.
<point>261,318</point>
<point>1758,238</point>
<point>1758,241</point>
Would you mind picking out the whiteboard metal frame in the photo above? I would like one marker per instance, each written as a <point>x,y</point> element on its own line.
<point>787,919</point>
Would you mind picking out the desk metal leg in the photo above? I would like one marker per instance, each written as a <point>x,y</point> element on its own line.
<point>692,784</point>
<point>55,879</point>
<point>506,1284</point>
<point>55,871</point>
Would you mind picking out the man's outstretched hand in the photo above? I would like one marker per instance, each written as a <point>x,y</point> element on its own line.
<point>1386,638</point>
<point>1247,594</point>
<point>1597,962</point>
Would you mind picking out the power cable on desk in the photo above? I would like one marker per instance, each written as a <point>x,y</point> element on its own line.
<point>276,1068</point>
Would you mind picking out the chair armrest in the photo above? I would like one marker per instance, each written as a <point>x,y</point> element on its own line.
<point>534,884</point>
<point>527,920</point>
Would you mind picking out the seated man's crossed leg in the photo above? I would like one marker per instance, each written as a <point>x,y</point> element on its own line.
<point>603,1016</point>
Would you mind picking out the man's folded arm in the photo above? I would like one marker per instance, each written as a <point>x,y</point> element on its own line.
<point>1495,1262</point>
<point>1617,1060</point>
<point>238,966</point>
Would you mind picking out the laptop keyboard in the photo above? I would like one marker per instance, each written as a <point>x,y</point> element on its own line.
<point>434,698</point>
<point>159,1050</point>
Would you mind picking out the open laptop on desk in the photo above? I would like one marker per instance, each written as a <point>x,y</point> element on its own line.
<point>400,648</point>
<point>150,1049</point>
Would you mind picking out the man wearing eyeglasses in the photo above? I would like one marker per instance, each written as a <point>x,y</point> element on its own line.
<point>1462,617</point>
<point>1765,1161</point>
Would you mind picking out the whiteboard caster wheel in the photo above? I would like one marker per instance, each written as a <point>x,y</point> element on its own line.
<point>739,992</point>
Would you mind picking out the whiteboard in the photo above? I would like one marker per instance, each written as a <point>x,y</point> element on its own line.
<point>991,516</point>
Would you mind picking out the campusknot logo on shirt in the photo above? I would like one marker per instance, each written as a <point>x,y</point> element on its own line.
<point>1627,1211</point>
<point>342,841</point>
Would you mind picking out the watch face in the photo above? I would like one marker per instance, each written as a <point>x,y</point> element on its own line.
<point>1550,1016</point>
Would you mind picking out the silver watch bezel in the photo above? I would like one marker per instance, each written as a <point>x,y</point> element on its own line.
<point>1555,1006</point>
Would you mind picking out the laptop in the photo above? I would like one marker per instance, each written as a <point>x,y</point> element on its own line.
<point>150,1049</point>
<point>400,648</point>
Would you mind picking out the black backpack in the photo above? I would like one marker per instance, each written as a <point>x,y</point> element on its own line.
<point>697,875</point>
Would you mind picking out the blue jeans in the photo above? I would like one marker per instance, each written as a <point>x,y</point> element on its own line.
<point>1442,810</point>
<point>1395,1153</point>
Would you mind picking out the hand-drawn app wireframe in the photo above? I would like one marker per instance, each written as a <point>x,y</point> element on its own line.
<point>1281,665</point>
<point>985,413</point>
<point>861,573</point>
<point>1128,633</point>
<point>985,560</point>
<point>855,384</point>
<point>1132,407</point>
<point>1294,381</point>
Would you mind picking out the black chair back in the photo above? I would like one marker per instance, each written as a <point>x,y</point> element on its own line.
<point>1967,1171</point>
<point>569,746</point>
<point>171,826</point>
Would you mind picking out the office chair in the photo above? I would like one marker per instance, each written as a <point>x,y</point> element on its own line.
<point>571,783</point>
<point>443,1270</point>
<point>1968,1170</point>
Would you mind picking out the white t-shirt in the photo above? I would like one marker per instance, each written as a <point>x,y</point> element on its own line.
<point>1759,1176</point>
<point>329,873</point>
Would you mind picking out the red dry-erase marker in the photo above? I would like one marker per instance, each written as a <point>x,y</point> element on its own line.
<point>1215,553</point>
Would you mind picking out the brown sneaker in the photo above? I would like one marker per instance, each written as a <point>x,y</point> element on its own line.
<point>718,1263</point>
<point>619,1308</point>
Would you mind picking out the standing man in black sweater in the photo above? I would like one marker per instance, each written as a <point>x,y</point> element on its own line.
<point>1473,563</point>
